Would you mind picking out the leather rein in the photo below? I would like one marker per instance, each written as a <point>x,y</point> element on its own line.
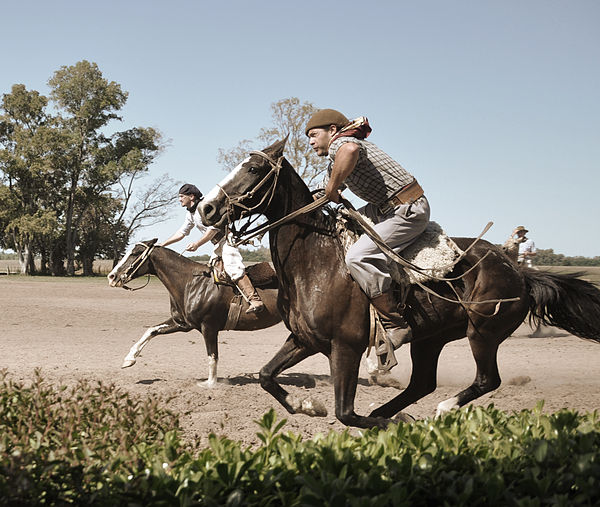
<point>369,231</point>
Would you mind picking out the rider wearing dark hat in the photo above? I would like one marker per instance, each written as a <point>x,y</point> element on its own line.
<point>395,204</point>
<point>189,197</point>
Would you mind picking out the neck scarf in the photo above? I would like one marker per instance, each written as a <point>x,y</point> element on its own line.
<point>192,209</point>
<point>358,128</point>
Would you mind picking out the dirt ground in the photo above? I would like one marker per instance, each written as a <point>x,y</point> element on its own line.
<point>82,328</point>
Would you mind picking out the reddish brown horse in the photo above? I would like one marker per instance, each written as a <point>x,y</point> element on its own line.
<point>197,302</point>
<point>326,311</point>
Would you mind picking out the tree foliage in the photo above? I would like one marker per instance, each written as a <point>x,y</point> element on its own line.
<point>69,186</point>
<point>289,119</point>
<point>549,258</point>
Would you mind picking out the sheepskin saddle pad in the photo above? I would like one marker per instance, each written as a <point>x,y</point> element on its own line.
<point>433,251</point>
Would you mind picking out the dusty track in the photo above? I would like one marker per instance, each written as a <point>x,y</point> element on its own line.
<point>81,328</point>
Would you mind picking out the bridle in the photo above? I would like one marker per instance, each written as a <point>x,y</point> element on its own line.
<point>134,267</point>
<point>233,202</point>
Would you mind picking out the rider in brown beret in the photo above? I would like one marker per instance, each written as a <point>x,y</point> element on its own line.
<point>395,204</point>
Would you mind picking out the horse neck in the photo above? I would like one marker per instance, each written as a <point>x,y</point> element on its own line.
<point>173,270</point>
<point>303,237</point>
<point>290,194</point>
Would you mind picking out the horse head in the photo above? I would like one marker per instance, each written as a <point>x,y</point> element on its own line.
<point>247,190</point>
<point>133,264</point>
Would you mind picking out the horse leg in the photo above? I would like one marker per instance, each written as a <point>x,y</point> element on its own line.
<point>167,327</point>
<point>289,355</point>
<point>212,351</point>
<point>345,363</point>
<point>423,380</point>
<point>487,377</point>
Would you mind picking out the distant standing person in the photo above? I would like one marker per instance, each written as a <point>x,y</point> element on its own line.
<point>527,248</point>
<point>190,197</point>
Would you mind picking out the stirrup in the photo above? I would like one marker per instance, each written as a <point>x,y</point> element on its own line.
<point>386,359</point>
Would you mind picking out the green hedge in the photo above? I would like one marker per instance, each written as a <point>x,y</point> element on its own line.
<point>95,445</point>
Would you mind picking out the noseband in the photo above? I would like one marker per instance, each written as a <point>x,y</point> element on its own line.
<point>127,275</point>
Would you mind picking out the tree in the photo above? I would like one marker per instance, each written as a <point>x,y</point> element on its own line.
<point>289,119</point>
<point>148,209</point>
<point>24,127</point>
<point>124,163</point>
<point>88,102</point>
<point>69,189</point>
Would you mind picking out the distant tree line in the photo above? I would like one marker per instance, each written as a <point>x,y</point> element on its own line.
<point>261,254</point>
<point>69,187</point>
<point>549,258</point>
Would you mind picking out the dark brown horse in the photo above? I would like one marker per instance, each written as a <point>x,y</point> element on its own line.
<point>326,311</point>
<point>197,302</point>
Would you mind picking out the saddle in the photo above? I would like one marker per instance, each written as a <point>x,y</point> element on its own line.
<point>433,252</point>
<point>262,275</point>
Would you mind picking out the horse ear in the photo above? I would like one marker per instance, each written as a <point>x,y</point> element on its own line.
<point>278,146</point>
<point>151,242</point>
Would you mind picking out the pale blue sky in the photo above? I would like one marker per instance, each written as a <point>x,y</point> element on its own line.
<point>493,105</point>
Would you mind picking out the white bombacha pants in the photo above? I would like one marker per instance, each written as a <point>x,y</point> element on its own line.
<point>232,259</point>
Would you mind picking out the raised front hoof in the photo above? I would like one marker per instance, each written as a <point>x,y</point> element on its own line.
<point>128,363</point>
<point>307,406</point>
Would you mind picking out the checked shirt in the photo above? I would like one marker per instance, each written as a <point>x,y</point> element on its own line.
<point>376,176</point>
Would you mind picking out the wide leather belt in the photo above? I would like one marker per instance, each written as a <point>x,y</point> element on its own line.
<point>406,195</point>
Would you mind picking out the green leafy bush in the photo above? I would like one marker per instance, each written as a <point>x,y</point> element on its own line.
<point>96,446</point>
<point>61,445</point>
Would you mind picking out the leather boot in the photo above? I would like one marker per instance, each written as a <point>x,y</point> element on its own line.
<point>251,295</point>
<point>396,328</point>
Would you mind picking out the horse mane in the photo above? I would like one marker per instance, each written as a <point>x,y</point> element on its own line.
<point>325,217</point>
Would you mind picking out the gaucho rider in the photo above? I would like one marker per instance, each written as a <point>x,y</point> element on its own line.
<point>190,197</point>
<point>395,204</point>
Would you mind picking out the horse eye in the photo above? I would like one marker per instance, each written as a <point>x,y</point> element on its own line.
<point>252,169</point>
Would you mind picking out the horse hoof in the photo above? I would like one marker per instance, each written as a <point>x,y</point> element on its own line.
<point>207,384</point>
<point>314,408</point>
<point>446,406</point>
<point>307,406</point>
<point>127,363</point>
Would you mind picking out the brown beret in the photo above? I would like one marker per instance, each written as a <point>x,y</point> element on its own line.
<point>326,117</point>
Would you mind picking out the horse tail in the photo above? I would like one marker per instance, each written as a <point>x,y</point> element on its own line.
<point>565,301</point>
